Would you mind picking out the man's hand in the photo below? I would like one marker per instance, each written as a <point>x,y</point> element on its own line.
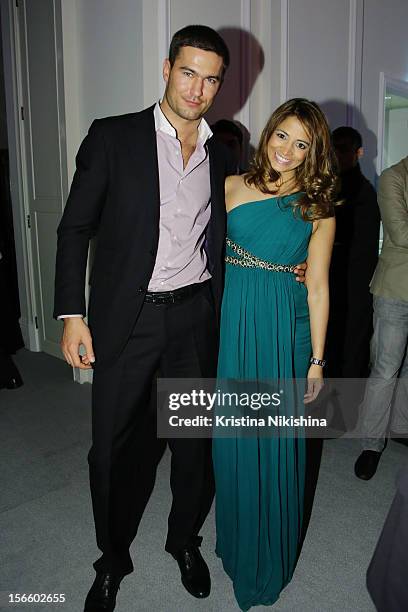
<point>300,272</point>
<point>76,333</point>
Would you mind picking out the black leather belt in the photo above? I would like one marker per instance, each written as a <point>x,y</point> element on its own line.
<point>176,296</point>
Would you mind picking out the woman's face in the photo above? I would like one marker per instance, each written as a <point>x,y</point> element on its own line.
<point>288,147</point>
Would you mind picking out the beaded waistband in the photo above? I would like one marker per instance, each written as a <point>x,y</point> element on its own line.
<point>248,260</point>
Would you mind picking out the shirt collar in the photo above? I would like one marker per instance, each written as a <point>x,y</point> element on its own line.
<point>163,124</point>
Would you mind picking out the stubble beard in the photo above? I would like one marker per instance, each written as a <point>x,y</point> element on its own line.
<point>184,113</point>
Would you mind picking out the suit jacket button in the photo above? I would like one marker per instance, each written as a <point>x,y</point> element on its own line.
<point>152,252</point>
<point>141,290</point>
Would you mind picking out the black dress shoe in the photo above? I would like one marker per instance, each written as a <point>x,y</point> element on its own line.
<point>14,382</point>
<point>194,571</point>
<point>366,465</point>
<point>102,594</point>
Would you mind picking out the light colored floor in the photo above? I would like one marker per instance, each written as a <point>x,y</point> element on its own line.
<point>46,527</point>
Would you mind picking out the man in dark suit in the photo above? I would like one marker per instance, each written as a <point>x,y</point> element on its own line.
<point>150,185</point>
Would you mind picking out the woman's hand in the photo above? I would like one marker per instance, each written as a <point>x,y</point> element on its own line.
<point>314,383</point>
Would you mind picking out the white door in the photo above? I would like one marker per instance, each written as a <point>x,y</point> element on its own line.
<point>43,142</point>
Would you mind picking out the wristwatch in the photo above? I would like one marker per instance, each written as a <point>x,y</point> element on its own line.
<point>319,362</point>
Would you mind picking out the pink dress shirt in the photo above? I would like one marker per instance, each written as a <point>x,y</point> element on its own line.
<point>184,208</point>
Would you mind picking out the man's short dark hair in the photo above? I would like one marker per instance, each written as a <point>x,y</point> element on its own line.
<point>226,126</point>
<point>348,133</point>
<point>200,37</point>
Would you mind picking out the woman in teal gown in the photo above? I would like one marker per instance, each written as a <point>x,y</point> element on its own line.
<point>281,212</point>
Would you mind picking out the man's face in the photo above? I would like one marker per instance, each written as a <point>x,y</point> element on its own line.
<point>346,153</point>
<point>192,82</point>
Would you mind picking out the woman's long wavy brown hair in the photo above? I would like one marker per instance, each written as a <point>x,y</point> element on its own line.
<point>316,176</point>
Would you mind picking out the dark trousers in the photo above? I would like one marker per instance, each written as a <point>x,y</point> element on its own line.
<point>351,317</point>
<point>172,341</point>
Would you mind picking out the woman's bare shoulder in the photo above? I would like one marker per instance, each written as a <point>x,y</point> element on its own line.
<point>234,182</point>
<point>234,186</point>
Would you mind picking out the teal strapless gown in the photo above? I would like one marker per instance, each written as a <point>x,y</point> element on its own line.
<point>265,334</point>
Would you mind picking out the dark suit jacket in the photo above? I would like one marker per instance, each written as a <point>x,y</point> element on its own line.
<point>115,195</point>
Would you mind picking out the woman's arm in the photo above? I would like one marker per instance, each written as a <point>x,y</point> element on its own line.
<point>317,282</point>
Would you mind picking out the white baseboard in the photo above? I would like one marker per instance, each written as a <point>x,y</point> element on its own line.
<point>30,335</point>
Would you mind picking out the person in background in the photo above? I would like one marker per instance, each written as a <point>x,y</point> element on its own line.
<point>355,255</point>
<point>11,339</point>
<point>230,134</point>
<point>389,342</point>
<point>10,334</point>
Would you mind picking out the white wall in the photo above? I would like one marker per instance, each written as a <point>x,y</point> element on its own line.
<point>386,50</point>
<point>318,54</point>
<point>103,63</point>
<point>110,58</point>
<point>331,51</point>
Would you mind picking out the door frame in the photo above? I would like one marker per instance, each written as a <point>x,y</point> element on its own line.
<point>12,12</point>
<point>18,182</point>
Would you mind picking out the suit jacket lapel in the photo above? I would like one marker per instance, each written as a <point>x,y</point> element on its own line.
<point>143,149</point>
<point>216,226</point>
